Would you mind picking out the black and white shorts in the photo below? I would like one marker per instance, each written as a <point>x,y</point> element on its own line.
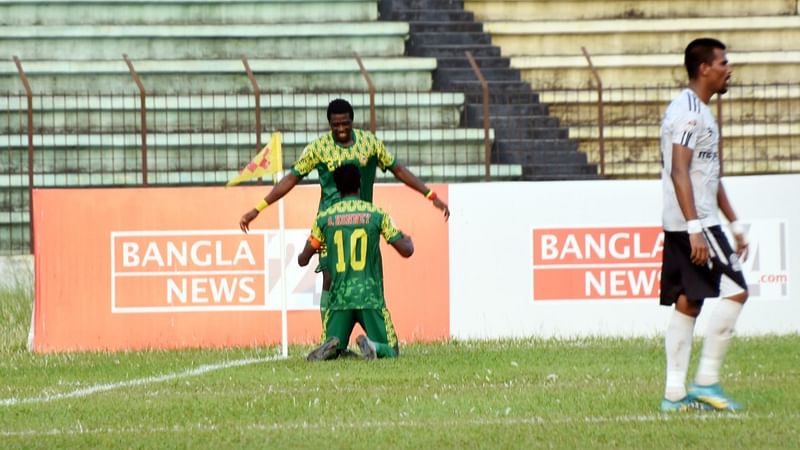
<point>722,276</point>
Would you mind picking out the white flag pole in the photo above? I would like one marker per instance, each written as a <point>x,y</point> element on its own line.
<point>284,305</point>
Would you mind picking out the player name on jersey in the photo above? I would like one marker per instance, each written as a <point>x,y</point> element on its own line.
<point>596,263</point>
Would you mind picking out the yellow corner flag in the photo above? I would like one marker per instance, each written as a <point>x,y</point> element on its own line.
<point>268,161</point>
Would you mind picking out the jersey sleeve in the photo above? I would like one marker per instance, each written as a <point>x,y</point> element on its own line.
<point>317,237</point>
<point>687,128</point>
<point>386,159</point>
<point>306,162</point>
<point>388,228</point>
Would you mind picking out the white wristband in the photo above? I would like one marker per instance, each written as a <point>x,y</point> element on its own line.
<point>737,227</point>
<point>694,226</point>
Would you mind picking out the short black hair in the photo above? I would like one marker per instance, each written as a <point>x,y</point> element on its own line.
<point>340,106</point>
<point>700,51</point>
<point>347,178</point>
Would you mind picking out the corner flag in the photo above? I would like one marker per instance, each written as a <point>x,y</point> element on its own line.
<point>268,161</point>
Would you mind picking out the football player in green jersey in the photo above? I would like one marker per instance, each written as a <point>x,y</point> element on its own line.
<point>351,229</point>
<point>344,144</point>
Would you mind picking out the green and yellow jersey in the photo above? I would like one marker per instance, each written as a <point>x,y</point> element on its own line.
<point>351,230</point>
<point>324,154</point>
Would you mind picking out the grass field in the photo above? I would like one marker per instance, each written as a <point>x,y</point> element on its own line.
<point>588,393</point>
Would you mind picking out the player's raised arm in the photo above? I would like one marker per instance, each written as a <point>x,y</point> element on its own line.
<point>406,176</point>
<point>286,184</point>
<point>404,246</point>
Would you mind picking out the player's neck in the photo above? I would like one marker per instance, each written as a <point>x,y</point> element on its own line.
<point>701,91</point>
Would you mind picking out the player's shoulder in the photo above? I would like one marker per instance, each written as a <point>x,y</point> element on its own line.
<point>365,136</point>
<point>684,107</point>
<point>687,102</point>
<point>322,141</point>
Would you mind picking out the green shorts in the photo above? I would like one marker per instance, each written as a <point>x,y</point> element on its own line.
<point>376,323</point>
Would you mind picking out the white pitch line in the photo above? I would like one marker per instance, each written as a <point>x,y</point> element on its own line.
<point>403,423</point>
<point>137,382</point>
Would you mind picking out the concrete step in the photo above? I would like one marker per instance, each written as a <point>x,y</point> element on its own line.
<point>430,173</point>
<point>498,110</point>
<point>538,157</point>
<point>521,96</point>
<point>494,10</point>
<point>530,132</point>
<point>736,130</point>
<point>741,155</point>
<point>93,42</point>
<point>231,112</point>
<point>449,38</point>
<point>639,106</point>
<point>461,62</point>
<point>643,36</point>
<point>446,27</point>
<point>447,51</point>
<point>400,5</point>
<point>490,74</point>
<point>430,16</point>
<point>97,153</point>
<point>505,145</point>
<point>563,171</point>
<point>666,70</point>
<point>176,76</point>
<point>512,87</point>
<point>516,122</point>
<point>199,12</point>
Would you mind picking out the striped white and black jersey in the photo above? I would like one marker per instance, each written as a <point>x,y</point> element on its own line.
<point>689,122</point>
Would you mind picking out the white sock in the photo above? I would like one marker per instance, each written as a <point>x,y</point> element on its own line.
<point>678,346</point>
<point>715,344</point>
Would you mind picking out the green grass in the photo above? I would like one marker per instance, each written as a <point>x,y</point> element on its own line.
<point>582,393</point>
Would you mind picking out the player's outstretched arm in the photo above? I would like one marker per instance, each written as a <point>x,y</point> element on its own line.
<point>406,176</point>
<point>404,246</point>
<point>286,184</point>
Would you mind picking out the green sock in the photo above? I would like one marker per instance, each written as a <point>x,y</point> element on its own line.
<point>384,350</point>
<point>324,299</point>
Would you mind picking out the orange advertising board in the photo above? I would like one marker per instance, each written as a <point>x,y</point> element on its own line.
<point>136,268</point>
<point>597,263</point>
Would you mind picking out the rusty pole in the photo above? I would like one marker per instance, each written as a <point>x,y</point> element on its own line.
<point>257,93</point>
<point>371,87</point>
<point>29,95</point>
<point>600,114</point>
<point>487,145</point>
<point>143,112</point>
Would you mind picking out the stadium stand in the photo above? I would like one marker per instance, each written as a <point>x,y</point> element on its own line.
<point>637,49</point>
<point>200,102</point>
<point>524,131</point>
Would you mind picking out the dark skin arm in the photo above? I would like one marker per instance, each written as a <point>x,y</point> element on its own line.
<point>286,184</point>
<point>681,160</point>
<point>404,246</point>
<point>305,256</point>
<point>409,179</point>
<point>727,210</point>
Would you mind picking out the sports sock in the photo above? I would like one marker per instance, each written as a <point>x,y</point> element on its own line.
<point>384,350</point>
<point>715,344</point>
<point>678,346</point>
<point>324,299</point>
